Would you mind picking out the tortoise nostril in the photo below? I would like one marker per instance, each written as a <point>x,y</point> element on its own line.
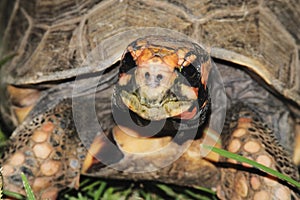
<point>159,77</point>
<point>147,75</point>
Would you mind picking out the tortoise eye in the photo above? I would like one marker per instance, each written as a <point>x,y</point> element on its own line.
<point>127,63</point>
<point>191,74</point>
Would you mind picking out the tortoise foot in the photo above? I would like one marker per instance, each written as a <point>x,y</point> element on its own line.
<point>250,138</point>
<point>47,150</point>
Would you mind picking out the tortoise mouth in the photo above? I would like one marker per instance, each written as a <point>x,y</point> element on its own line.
<point>169,106</point>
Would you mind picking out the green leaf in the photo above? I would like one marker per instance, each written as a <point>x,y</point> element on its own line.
<point>239,158</point>
<point>91,186</point>
<point>196,196</point>
<point>14,195</point>
<point>167,190</point>
<point>207,190</point>
<point>28,189</point>
<point>100,191</point>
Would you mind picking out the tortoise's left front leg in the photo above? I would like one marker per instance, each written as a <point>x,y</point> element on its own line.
<point>245,134</point>
<point>47,150</point>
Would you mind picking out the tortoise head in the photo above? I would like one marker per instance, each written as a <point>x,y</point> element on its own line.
<point>160,77</point>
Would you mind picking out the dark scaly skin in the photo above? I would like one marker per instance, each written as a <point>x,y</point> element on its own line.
<point>48,151</point>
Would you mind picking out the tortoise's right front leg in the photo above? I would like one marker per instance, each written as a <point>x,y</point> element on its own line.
<point>47,150</point>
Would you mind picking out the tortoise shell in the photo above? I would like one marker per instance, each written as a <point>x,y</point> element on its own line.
<point>58,37</point>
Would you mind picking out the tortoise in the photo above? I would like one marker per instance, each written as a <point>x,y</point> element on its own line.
<point>77,105</point>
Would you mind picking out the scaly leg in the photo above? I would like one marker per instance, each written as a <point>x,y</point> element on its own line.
<point>48,151</point>
<point>246,135</point>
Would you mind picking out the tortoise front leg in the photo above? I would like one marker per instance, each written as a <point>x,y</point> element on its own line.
<point>245,134</point>
<point>47,150</point>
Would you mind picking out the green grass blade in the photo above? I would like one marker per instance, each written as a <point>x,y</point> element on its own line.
<point>196,196</point>
<point>28,189</point>
<point>239,158</point>
<point>91,186</point>
<point>207,190</point>
<point>168,190</point>
<point>100,191</point>
<point>109,193</point>
<point>13,195</point>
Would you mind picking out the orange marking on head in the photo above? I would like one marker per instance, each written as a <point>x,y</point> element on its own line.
<point>136,54</point>
<point>171,60</point>
<point>145,55</point>
<point>191,58</point>
<point>154,61</point>
<point>181,56</point>
<point>165,51</point>
<point>188,60</point>
<point>182,52</point>
<point>205,69</point>
<point>156,50</point>
<point>196,90</point>
<point>130,49</point>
